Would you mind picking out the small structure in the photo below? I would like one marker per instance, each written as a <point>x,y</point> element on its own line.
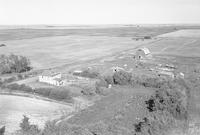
<point>171,66</point>
<point>166,73</point>
<point>77,72</point>
<point>117,69</point>
<point>180,75</point>
<point>142,53</point>
<point>53,79</point>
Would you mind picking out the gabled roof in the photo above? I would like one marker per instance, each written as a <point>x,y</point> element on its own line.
<point>50,74</point>
<point>145,50</point>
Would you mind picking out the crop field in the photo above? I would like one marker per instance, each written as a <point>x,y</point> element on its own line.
<point>180,43</point>
<point>55,51</point>
<point>109,31</point>
<point>51,47</point>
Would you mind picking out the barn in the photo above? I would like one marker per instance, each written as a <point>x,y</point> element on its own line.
<point>142,53</point>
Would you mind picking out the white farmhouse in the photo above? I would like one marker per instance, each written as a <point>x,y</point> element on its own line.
<point>53,79</point>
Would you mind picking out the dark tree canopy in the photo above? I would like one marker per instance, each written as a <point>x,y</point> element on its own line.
<point>14,64</point>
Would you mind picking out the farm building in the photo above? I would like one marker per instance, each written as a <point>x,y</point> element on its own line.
<point>77,72</point>
<point>60,80</point>
<point>142,53</point>
<point>117,69</point>
<point>53,79</point>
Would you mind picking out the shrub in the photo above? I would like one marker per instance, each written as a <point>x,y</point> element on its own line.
<point>168,106</point>
<point>122,78</point>
<point>155,124</point>
<point>147,37</point>
<point>109,79</point>
<point>168,100</point>
<point>89,73</point>
<point>26,128</point>
<point>88,89</point>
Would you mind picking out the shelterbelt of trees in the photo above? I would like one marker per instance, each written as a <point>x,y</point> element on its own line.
<point>14,64</point>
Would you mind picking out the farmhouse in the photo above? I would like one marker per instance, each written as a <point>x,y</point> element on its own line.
<point>53,79</point>
<point>142,53</point>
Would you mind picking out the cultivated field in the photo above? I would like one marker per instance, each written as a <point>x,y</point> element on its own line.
<point>55,51</point>
<point>180,43</point>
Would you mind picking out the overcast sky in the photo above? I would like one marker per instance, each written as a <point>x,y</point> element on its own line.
<point>99,11</point>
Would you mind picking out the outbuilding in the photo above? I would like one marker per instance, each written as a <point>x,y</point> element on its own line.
<point>142,53</point>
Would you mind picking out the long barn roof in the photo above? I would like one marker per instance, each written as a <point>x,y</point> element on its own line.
<point>145,50</point>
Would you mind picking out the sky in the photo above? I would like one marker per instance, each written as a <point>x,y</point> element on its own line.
<point>69,12</point>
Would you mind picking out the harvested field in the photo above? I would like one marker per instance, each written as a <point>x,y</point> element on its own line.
<point>189,33</point>
<point>30,32</point>
<point>176,46</point>
<point>180,43</point>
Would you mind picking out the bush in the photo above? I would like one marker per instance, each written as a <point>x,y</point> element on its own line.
<point>122,78</point>
<point>147,37</point>
<point>26,128</point>
<point>89,73</point>
<point>168,100</point>
<point>168,106</point>
<point>155,124</point>
<point>109,79</point>
<point>88,89</point>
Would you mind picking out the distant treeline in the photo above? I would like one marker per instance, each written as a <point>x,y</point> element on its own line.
<point>14,64</point>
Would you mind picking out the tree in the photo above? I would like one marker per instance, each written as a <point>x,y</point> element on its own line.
<point>14,63</point>
<point>27,128</point>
